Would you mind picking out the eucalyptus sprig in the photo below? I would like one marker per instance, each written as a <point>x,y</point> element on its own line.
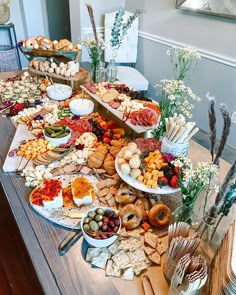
<point>120,29</point>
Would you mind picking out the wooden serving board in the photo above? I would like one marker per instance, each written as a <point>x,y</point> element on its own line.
<point>118,114</point>
<point>12,163</point>
<point>80,76</point>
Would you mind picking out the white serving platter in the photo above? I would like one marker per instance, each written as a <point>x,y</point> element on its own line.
<point>57,216</point>
<point>141,186</point>
<point>118,114</point>
<point>12,163</point>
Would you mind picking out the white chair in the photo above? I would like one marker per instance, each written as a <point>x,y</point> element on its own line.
<point>127,53</point>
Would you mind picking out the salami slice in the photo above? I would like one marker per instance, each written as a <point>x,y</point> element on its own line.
<point>12,153</point>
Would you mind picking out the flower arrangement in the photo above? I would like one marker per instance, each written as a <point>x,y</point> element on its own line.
<point>184,60</point>
<point>175,96</point>
<point>95,45</point>
<point>191,182</point>
<point>120,28</point>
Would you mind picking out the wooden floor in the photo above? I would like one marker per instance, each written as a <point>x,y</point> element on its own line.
<point>17,274</point>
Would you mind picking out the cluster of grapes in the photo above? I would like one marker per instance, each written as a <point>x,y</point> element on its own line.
<point>96,128</point>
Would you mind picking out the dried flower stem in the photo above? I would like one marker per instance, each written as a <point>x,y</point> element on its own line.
<point>90,11</point>
<point>225,132</point>
<point>212,124</point>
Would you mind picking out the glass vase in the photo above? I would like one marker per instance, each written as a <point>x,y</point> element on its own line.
<point>98,73</point>
<point>111,71</point>
<point>185,213</point>
<point>4,11</point>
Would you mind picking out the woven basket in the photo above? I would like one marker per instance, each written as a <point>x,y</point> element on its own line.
<point>8,59</point>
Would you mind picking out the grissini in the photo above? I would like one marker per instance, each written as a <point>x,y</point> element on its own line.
<point>195,130</point>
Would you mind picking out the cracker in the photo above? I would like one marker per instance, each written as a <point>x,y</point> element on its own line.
<point>155,257</point>
<point>131,244</point>
<point>121,259</point>
<point>148,250</point>
<point>161,248</point>
<point>101,260</point>
<point>114,248</point>
<point>136,256</point>
<point>92,252</point>
<point>112,269</point>
<point>128,274</point>
<point>140,267</point>
<point>151,239</point>
<point>111,202</point>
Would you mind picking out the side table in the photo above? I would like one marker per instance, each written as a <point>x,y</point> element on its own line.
<point>12,37</point>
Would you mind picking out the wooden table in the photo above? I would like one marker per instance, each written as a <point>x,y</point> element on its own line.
<point>69,274</point>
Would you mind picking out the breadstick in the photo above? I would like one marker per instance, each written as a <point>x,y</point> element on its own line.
<point>172,126</point>
<point>188,128</point>
<point>175,131</point>
<point>180,132</point>
<point>167,124</point>
<point>195,130</point>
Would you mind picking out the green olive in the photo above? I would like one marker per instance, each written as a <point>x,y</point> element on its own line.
<point>87,220</point>
<point>92,214</point>
<point>100,211</point>
<point>93,225</point>
<point>98,217</point>
<point>100,223</point>
<point>86,227</point>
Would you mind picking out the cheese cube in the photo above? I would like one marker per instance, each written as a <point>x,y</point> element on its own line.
<point>140,178</point>
<point>160,173</point>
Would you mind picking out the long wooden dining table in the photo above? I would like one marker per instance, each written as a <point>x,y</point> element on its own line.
<point>70,273</point>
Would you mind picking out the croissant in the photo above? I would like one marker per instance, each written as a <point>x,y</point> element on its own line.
<point>96,159</point>
<point>114,150</point>
<point>109,164</point>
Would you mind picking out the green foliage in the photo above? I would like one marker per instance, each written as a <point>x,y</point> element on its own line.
<point>120,29</point>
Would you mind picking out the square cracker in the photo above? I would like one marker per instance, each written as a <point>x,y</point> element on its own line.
<point>131,244</point>
<point>128,274</point>
<point>114,248</point>
<point>101,260</point>
<point>161,248</point>
<point>112,269</point>
<point>121,259</point>
<point>92,252</point>
<point>155,257</point>
<point>151,239</point>
<point>140,267</point>
<point>148,250</point>
<point>136,256</point>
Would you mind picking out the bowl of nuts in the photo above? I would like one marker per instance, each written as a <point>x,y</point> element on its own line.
<point>100,225</point>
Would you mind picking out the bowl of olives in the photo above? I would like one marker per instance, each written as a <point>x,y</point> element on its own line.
<point>101,219</point>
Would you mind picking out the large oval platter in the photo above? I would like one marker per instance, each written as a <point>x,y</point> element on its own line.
<point>141,186</point>
<point>58,216</point>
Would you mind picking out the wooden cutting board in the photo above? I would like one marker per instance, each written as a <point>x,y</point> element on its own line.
<point>12,163</point>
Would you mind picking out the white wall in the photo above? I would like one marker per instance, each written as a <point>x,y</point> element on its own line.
<point>80,21</point>
<point>162,26</point>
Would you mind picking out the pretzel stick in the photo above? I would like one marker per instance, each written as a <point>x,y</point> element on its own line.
<point>195,130</point>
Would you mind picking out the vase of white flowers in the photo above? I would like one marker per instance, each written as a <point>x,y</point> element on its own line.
<point>175,96</point>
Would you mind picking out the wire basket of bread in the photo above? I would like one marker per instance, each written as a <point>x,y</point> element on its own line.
<point>44,47</point>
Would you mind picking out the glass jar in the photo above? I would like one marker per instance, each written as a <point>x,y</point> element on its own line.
<point>111,71</point>
<point>185,213</point>
<point>4,11</point>
<point>98,73</point>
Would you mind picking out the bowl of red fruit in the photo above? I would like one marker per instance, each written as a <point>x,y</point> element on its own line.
<point>100,225</point>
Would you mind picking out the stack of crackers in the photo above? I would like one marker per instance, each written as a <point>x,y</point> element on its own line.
<point>129,256</point>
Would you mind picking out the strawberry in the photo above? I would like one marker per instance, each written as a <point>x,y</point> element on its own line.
<point>108,134</point>
<point>106,140</point>
<point>162,180</point>
<point>174,181</point>
<point>176,170</point>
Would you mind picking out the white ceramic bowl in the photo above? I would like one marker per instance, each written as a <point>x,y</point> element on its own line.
<point>58,141</point>
<point>59,91</point>
<point>94,242</point>
<point>81,106</point>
